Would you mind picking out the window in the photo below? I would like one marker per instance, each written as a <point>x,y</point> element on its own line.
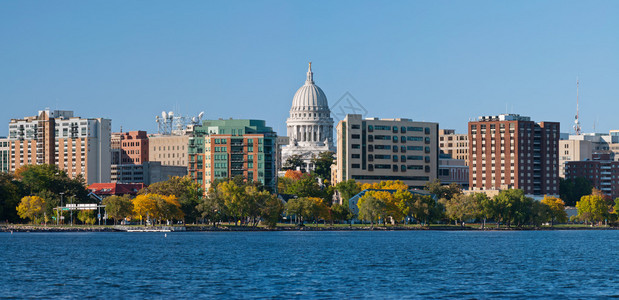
<point>355,136</point>
<point>355,146</point>
<point>356,156</point>
<point>355,126</point>
<point>395,149</point>
<point>403,129</point>
<point>355,166</point>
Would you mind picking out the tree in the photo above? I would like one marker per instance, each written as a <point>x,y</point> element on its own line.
<point>235,199</point>
<point>295,207</point>
<point>462,207</point>
<point>31,207</point>
<point>271,211</point>
<point>592,208</point>
<point>45,177</point>
<point>212,207</point>
<point>443,191</point>
<point>556,208</point>
<point>185,189</point>
<point>9,198</point>
<point>571,190</point>
<point>144,207</point>
<point>307,186</point>
<point>341,212</point>
<point>118,207</point>
<point>322,164</point>
<point>294,162</point>
<point>86,217</point>
<point>347,190</point>
<point>371,209</point>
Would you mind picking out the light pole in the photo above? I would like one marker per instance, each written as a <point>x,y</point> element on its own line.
<point>72,210</point>
<point>58,217</point>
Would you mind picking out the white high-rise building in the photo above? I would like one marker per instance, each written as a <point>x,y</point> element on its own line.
<point>310,126</point>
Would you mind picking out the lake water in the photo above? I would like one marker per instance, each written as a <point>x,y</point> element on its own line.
<point>356,264</point>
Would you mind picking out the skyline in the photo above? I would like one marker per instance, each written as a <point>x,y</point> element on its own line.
<point>429,61</point>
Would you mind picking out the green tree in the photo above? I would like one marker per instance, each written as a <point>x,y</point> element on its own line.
<point>86,217</point>
<point>271,211</point>
<point>31,207</point>
<point>295,207</point>
<point>306,186</point>
<point>118,207</point>
<point>40,178</point>
<point>322,164</point>
<point>212,208</point>
<point>9,198</point>
<point>443,191</point>
<point>462,207</point>
<point>571,190</point>
<point>235,199</point>
<point>371,209</point>
<point>293,162</point>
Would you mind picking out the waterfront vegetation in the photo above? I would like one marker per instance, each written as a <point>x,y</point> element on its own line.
<point>32,193</point>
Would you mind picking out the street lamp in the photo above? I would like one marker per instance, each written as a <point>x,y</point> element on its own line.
<point>57,217</point>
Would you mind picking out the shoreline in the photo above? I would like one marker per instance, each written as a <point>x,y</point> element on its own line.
<point>39,228</point>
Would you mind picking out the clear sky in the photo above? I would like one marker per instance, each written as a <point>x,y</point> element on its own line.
<point>440,61</point>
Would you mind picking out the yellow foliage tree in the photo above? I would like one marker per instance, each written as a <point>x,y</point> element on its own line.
<point>31,208</point>
<point>144,206</point>
<point>557,209</point>
<point>386,185</point>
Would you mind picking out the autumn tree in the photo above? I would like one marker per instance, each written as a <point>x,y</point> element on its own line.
<point>556,208</point>
<point>443,191</point>
<point>187,192</point>
<point>31,207</point>
<point>592,208</point>
<point>144,207</point>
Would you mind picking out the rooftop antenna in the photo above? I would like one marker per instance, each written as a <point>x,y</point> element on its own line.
<point>577,122</point>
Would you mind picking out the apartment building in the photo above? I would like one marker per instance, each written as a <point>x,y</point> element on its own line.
<point>372,150</point>
<point>220,149</point>
<point>5,154</point>
<point>602,171</point>
<point>79,146</point>
<point>511,151</point>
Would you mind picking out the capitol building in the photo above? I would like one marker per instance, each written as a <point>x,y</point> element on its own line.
<point>310,126</point>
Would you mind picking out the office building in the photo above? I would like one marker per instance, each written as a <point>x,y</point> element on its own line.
<point>453,144</point>
<point>373,150</point>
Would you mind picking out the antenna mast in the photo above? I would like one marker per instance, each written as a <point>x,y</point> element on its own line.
<point>577,122</point>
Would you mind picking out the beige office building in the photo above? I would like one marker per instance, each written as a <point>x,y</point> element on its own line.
<point>456,145</point>
<point>170,150</point>
<point>373,150</point>
<point>573,150</point>
<point>76,145</point>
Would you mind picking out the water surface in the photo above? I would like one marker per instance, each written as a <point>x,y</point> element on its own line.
<point>356,264</point>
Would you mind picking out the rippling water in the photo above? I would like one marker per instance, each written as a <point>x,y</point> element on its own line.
<point>358,264</point>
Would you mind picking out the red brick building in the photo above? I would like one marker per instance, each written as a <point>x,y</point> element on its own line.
<point>511,151</point>
<point>601,171</point>
<point>134,147</point>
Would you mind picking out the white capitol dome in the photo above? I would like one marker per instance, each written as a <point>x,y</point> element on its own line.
<point>310,126</point>
<point>309,97</point>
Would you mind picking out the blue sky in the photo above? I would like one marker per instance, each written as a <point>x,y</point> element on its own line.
<point>440,61</point>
